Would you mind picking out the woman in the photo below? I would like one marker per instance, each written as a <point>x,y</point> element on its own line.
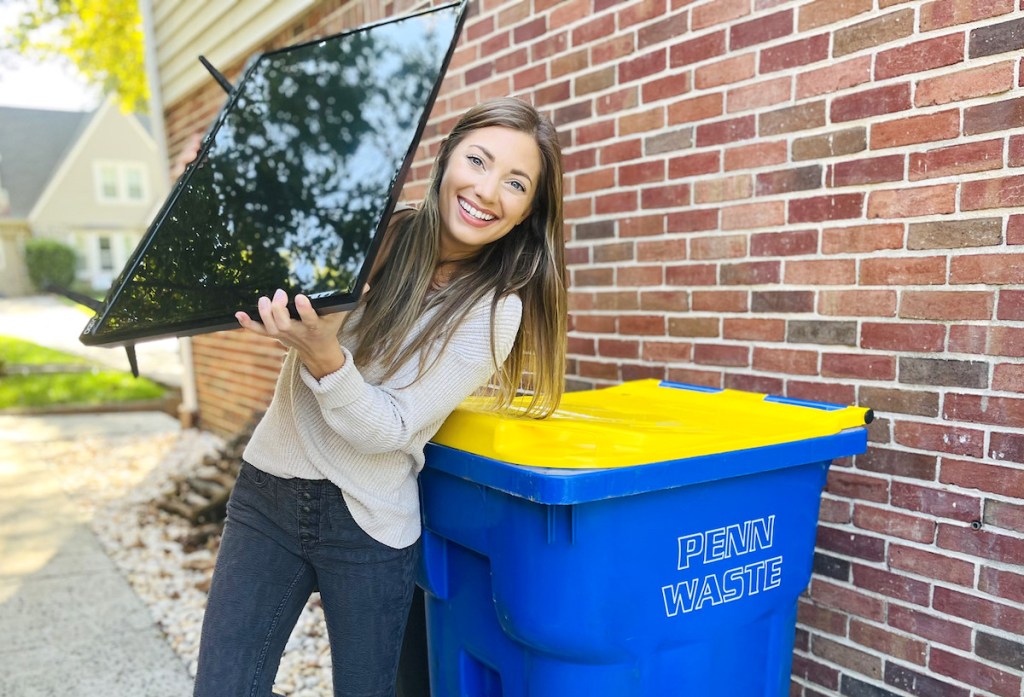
<point>468,293</point>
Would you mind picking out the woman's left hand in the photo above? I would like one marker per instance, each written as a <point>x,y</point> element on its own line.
<point>313,336</point>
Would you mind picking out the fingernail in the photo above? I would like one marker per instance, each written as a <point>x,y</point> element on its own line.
<point>278,293</point>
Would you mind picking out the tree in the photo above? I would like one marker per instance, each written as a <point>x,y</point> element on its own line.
<point>103,39</point>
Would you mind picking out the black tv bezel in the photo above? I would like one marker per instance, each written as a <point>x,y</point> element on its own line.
<point>323,305</point>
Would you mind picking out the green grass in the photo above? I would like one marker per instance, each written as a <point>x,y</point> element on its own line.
<point>98,386</point>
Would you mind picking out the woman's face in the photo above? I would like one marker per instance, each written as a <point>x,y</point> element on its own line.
<point>487,188</point>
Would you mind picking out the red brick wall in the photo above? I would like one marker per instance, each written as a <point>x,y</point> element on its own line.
<point>817,199</point>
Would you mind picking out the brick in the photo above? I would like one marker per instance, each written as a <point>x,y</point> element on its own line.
<point>759,154</point>
<point>720,300</point>
<point>639,12</point>
<point>760,30</point>
<point>1000,650</point>
<point>696,50</point>
<point>642,173</point>
<point>782,301</point>
<point>618,348</point>
<point>671,196</point>
<point>920,56</point>
<point>743,329</point>
<point>679,139</point>
<point>955,234</point>
<point>661,250</point>
<point>997,116</point>
<point>851,544</point>
<point>939,437</point>
<point>667,28</point>
<point>909,202</point>
<point>594,181</point>
<point>1015,230</point>
<point>927,626</point>
<point>763,93</point>
<point>794,54</point>
<point>600,371</point>
<point>972,408</point>
<point>718,247</point>
<point>1008,377</point>
<point>691,275</point>
<point>821,208</point>
<point>857,303</point>
<point>789,361</point>
<point>1001,583</point>
<point>824,12</point>
<point>694,109</point>
<point>821,272</point>
<point>594,81</point>
<point>870,170</point>
<point>989,679</point>
<point>664,301</point>
<point>932,565</point>
<point>725,72</point>
<point>595,132</point>
<point>801,117</point>
<point>962,85</point>
<point>667,351</point>
<point>753,383</point>
<point>947,13</point>
<point>643,66</point>
<point>940,503</point>
<point>814,671</point>
<point>616,102</point>
<point>858,366</point>
<point>726,131</point>
<point>835,511</point>
<point>822,332</point>
<point>860,662</point>
<point>862,238</point>
<point>717,354</point>
<point>900,401</point>
<point>749,273</point>
<point>992,269</point>
<point>831,567</point>
<point>942,125</point>
<point>640,276</point>
<point>857,486</point>
<point>1008,447</point>
<point>947,305</point>
<point>873,32</point>
<point>642,325</point>
<point>593,277</point>
<point>907,337</point>
<point>915,683</point>
<point>694,327</point>
<point>595,230</point>
<point>1016,151</point>
<point>693,165</point>
<point>846,599</point>
<point>904,271</point>
<point>957,159</point>
<point>996,38</point>
<point>618,251</point>
<point>995,479</point>
<point>620,202</point>
<point>753,215</point>
<point>718,12</point>
<point>614,300</point>
<point>834,144</point>
<point>693,376</point>
<point>571,114</point>
<point>832,78</point>
<point>945,372</point>
<point>816,391</point>
<point>785,181</point>
<point>891,585</point>
<point>728,188</point>
<point>898,463</point>
<point>665,88</point>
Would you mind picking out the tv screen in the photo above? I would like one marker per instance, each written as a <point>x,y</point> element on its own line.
<point>294,180</point>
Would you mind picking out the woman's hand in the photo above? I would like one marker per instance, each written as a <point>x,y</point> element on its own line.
<point>313,336</point>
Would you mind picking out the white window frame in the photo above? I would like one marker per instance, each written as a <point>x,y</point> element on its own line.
<point>121,170</point>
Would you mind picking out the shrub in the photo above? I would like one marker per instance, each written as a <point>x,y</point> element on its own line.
<point>49,262</point>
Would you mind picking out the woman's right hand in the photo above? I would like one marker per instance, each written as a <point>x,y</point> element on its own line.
<point>313,336</point>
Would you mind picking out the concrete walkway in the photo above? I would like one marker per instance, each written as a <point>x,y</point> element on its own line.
<point>49,321</point>
<point>70,624</point>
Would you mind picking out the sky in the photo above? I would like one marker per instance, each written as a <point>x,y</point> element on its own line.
<point>31,84</point>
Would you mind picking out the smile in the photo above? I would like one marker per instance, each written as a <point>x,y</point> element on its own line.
<point>475,212</point>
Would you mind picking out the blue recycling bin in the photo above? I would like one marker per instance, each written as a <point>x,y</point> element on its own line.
<point>648,540</point>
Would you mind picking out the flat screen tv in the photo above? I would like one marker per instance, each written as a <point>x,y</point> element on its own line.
<point>293,181</point>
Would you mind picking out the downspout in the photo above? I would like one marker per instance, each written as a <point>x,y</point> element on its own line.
<point>188,411</point>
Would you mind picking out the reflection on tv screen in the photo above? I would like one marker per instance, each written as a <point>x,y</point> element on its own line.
<point>294,180</point>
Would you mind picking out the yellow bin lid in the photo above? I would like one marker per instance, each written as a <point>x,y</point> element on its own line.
<point>642,422</point>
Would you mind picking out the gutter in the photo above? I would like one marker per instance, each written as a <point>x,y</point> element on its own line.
<point>188,410</point>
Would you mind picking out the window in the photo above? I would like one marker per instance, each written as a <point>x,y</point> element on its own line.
<point>106,254</point>
<point>121,182</point>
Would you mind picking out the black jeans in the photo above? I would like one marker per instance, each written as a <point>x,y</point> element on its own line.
<point>283,539</point>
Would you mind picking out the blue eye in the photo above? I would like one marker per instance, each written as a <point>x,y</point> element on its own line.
<point>475,160</point>
<point>519,185</point>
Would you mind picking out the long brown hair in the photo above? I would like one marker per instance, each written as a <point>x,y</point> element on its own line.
<point>529,261</point>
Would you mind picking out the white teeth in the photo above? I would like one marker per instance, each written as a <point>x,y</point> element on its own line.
<point>479,215</point>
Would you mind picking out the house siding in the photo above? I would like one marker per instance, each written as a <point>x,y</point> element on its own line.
<point>813,199</point>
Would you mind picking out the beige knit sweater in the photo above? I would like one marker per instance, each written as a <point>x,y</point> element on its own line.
<point>365,434</point>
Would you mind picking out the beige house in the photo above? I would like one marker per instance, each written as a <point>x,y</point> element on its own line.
<point>90,180</point>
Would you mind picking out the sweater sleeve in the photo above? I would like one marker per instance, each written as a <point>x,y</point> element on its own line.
<point>385,418</point>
